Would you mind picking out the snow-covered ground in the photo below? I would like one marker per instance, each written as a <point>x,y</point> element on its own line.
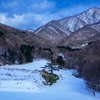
<point>24,82</point>
<point>26,77</point>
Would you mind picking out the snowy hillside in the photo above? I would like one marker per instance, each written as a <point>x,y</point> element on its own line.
<point>24,82</point>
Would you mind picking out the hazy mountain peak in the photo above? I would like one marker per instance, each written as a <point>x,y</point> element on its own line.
<point>90,16</point>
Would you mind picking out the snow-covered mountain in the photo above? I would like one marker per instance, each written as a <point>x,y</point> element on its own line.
<point>56,30</point>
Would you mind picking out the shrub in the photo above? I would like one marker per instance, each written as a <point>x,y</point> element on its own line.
<point>92,75</point>
<point>50,78</point>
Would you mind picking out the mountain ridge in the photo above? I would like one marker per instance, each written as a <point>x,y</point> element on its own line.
<point>56,30</point>
<point>21,46</point>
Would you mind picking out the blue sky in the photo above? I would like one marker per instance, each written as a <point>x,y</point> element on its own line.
<point>25,14</point>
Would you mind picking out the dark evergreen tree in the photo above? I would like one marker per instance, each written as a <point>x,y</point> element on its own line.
<point>11,55</point>
<point>60,60</point>
<point>26,50</point>
<point>20,58</point>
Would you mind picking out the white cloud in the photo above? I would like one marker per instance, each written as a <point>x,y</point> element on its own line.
<point>2,17</point>
<point>24,21</point>
<point>15,21</point>
<point>27,20</point>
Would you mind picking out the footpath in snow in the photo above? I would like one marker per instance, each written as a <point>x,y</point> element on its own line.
<point>24,82</point>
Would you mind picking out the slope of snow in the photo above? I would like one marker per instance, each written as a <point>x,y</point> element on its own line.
<point>53,30</point>
<point>24,82</point>
<point>96,27</point>
<point>38,30</point>
<point>63,30</point>
<point>72,24</point>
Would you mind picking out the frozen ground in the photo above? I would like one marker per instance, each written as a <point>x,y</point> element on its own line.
<point>24,82</point>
